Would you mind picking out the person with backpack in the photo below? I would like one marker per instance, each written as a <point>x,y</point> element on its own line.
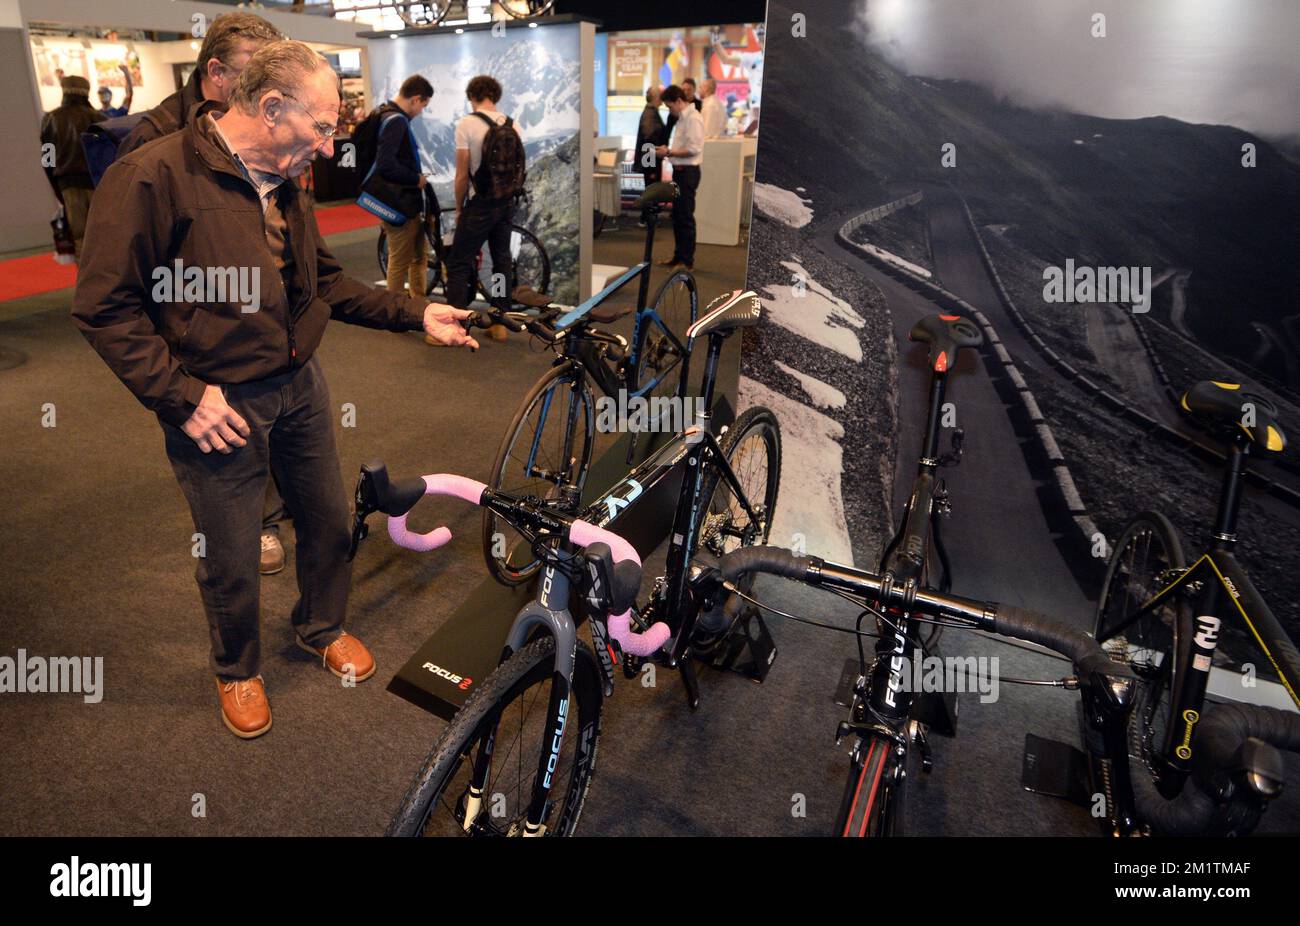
<point>490,161</point>
<point>69,174</point>
<point>395,163</point>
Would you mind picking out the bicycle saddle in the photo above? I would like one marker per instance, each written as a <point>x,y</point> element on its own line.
<point>1225,408</point>
<point>946,334</point>
<point>736,309</point>
<point>665,191</point>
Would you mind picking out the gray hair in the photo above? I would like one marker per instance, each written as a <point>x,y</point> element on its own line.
<point>282,66</point>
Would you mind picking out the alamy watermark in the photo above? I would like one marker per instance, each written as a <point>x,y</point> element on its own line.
<point>1130,285</point>
<point>208,285</point>
<point>958,674</point>
<point>23,674</point>
<point>638,414</point>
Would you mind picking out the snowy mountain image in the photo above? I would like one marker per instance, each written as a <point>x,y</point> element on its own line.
<point>539,76</point>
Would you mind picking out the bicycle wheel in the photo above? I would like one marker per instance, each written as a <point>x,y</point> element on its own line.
<point>510,710</point>
<point>873,800</point>
<point>525,9</point>
<point>1148,556</point>
<point>530,265</point>
<point>752,446</point>
<point>549,443</point>
<point>659,362</point>
<point>422,13</point>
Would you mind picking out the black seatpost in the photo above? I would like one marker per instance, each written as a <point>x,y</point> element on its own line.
<point>710,370</point>
<point>930,450</point>
<point>652,219</point>
<point>1225,521</point>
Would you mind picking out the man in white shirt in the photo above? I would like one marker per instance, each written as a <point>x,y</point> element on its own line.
<point>711,111</point>
<point>685,150</point>
<point>478,219</point>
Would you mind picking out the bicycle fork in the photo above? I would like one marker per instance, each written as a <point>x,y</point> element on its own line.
<point>550,613</point>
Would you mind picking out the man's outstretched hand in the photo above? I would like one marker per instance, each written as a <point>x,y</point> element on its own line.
<point>214,424</point>
<point>442,323</point>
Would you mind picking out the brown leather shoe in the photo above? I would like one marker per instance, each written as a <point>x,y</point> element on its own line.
<point>346,655</point>
<point>244,707</point>
<point>498,332</point>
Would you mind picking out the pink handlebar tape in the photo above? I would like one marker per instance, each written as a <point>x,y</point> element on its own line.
<point>439,484</point>
<point>620,625</point>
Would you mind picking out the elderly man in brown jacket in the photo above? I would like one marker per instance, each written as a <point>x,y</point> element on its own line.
<point>206,287</point>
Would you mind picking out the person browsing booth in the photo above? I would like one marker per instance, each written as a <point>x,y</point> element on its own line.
<point>685,150</point>
<point>490,164</point>
<point>236,384</point>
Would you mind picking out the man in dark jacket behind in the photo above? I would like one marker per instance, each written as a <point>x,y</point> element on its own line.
<point>229,43</point>
<point>650,134</point>
<point>397,161</point>
<point>206,287</point>
<point>67,170</point>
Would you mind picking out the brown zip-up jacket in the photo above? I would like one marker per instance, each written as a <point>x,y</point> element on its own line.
<point>183,198</point>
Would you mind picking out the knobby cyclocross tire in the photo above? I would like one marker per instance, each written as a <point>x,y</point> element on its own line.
<point>508,473</point>
<point>429,800</point>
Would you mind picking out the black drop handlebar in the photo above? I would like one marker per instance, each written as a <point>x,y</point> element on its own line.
<point>1006,620</point>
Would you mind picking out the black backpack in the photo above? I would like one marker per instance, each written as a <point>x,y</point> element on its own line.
<point>501,172</point>
<point>101,139</point>
<point>366,136</point>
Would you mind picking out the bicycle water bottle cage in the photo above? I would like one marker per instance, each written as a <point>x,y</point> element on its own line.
<point>609,588</point>
<point>1227,411</point>
<point>946,335</point>
<point>656,194</point>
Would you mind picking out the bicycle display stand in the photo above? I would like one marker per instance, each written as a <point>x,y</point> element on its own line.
<point>748,650</point>
<point>440,676</point>
<point>1056,769</point>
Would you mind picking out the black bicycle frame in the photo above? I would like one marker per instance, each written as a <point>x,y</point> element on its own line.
<point>1225,590</point>
<point>549,612</point>
<point>904,564</point>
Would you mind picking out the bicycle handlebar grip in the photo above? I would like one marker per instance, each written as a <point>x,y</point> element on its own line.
<point>776,561</point>
<point>1081,649</point>
<point>620,625</point>
<point>438,484</point>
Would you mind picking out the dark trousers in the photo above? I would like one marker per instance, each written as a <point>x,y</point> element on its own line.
<point>291,434</point>
<point>272,509</point>
<point>651,175</point>
<point>480,221</point>
<point>687,179</point>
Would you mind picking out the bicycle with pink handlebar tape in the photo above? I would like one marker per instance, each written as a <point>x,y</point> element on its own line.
<point>505,766</point>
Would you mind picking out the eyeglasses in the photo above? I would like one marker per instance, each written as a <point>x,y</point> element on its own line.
<point>325,131</point>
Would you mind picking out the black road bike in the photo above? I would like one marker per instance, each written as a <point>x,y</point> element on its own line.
<point>550,440</point>
<point>518,757</point>
<point>889,723</point>
<point>530,264</point>
<point>1200,766</point>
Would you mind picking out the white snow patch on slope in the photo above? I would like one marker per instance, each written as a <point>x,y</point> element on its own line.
<point>809,501</point>
<point>823,395</point>
<point>782,205</point>
<point>817,315</point>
